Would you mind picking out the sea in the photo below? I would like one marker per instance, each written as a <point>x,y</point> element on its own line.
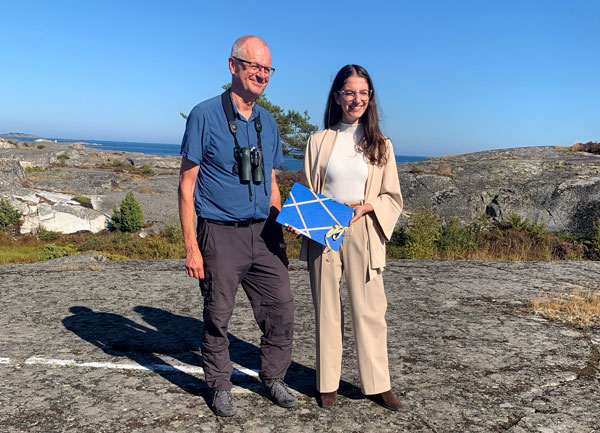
<point>289,162</point>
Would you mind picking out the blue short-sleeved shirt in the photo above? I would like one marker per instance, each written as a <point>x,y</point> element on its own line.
<point>219,194</point>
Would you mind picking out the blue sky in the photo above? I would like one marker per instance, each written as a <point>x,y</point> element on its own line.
<point>451,76</point>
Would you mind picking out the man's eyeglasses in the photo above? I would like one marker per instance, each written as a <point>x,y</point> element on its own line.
<point>349,95</point>
<point>255,67</point>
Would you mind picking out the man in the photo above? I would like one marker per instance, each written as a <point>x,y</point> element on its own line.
<point>237,240</point>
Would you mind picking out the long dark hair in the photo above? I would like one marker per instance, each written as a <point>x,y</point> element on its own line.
<point>373,142</point>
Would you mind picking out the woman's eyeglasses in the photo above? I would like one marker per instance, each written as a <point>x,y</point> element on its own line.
<point>350,95</point>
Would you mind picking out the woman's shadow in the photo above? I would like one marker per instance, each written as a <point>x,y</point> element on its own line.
<point>178,337</point>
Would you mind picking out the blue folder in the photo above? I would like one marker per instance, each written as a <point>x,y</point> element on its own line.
<point>316,216</point>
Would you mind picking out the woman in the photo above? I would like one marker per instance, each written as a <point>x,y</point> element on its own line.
<point>354,163</point>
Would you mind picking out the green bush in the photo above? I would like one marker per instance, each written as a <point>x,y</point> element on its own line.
<point>422,235</point>
<point>535,231</point>
<point>35,169</point>
<point>173,234</point>
<point>129,217</point>
<point>47,235</point>
<point>156,247</point>
<point>416,170</point>
<point>456,240</point>
<point>515,239</point>
<point>147,170</point>
<point>62,159</point>
<point>396,247</point>
<point>8,214</point>
<point>284,191</point>
<point>53,251</point>
<point>592,244</point>
<point>90,243</point>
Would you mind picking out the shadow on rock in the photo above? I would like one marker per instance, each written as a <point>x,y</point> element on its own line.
<point>178,337</point>
<point>119,336</point>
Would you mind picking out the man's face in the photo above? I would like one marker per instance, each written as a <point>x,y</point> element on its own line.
<point>243,79</point>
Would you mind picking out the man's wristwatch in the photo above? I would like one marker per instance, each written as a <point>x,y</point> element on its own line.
<point>282,245</point>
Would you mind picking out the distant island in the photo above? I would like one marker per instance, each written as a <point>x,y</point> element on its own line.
<point>19,134</point>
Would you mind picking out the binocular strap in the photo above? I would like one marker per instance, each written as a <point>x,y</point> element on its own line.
<point>229,114</point>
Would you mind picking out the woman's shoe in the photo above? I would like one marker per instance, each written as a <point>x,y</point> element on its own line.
<point>387,400</point>
<point>327,399</point>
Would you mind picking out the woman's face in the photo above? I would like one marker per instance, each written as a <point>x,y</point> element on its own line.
<point>353,97</point>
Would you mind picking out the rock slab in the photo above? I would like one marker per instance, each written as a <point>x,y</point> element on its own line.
<point>94,346</point>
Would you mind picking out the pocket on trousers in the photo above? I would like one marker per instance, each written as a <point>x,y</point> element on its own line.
<point>202,233</point>
<point>206,285</point>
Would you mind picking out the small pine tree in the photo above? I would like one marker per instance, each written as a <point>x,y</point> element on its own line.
<point>129,217</point>
<point>8,214</point>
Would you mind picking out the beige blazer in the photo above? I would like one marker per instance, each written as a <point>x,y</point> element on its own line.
<point>383,193</point>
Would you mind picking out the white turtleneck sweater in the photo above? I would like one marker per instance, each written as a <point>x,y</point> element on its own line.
<point>347,170</point>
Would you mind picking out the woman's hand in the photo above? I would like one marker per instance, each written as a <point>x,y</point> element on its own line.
<point>359,211</point>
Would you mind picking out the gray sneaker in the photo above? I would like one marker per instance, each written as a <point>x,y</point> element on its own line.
<point>223,404</point>
<point>281,394</point>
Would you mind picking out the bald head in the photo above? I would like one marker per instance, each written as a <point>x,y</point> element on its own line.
<point>238,47</point>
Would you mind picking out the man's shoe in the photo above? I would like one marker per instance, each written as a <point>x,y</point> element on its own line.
<point>387,400</point>
<point>328,399</point>
<point>281,394</point>
<point>223,404</point>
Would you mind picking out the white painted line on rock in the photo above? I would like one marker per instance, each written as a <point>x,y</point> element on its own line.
<point>111,365</point>
<point>4,360</point>
<point>130,366</point>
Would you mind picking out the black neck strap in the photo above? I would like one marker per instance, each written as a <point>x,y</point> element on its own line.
<point>233,128</point>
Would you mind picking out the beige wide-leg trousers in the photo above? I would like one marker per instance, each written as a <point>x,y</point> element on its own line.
<point>367,307</point>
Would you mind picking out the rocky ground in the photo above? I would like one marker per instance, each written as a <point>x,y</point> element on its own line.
<point>95,346</point>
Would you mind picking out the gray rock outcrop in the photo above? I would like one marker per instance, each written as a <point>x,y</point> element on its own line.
<point>56,212</point>
<point>556,186</point>
<point>41,178</point>
<point>11,173</point>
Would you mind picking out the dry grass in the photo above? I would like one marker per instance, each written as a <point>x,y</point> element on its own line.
<point>578,306</point>
<point>35,177</point>
<point>520,246</point>
<point>590,146</point>
<point>146,190</point>
<point>443,171</point>
<point>449,156</point>
<point>438,171</point>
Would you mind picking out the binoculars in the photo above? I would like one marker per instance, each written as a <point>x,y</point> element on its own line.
<point>250,163</point>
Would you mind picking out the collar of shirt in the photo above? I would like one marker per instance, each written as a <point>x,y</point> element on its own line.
<point>239,116</point>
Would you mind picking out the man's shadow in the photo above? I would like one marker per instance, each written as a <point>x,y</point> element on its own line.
<point>178,337</point>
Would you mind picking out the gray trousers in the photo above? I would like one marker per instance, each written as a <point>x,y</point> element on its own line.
<point>246,256</point>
